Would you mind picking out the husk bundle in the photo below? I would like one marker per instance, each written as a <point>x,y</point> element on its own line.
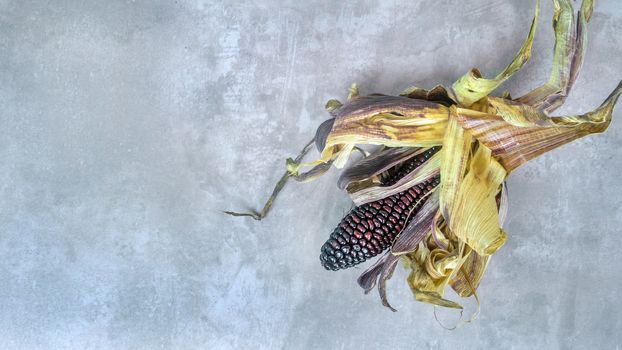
<point>449,242</point>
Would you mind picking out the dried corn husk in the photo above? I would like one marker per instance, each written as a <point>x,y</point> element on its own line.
<point>484,138</point>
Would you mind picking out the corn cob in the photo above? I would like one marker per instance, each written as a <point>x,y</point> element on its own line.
<point>371,228</point>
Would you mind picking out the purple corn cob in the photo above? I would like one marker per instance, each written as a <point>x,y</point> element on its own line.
<point>371,228</point>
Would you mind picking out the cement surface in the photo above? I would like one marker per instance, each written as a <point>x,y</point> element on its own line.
<point>128,126</point>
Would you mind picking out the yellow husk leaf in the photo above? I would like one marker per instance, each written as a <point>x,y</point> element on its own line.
<point>465,282</point>
<point>454,156</point>
<point>517,132</point>
<point>475,217</point>
<point>391,130</point>
<point>570,43</point>
<point>333,104</point>
<point>435,299</point>
<point>472,87</point>
<point>423,127</point>
<point>426,289</point>
<point>431,271</point>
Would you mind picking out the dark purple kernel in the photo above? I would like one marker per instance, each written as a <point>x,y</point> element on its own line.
<point>365,224</point>
<point>334,244</point>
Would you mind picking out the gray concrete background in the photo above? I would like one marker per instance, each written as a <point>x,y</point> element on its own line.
<point>127,126</point>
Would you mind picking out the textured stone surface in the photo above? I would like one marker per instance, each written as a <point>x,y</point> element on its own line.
<point>127,126</point>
